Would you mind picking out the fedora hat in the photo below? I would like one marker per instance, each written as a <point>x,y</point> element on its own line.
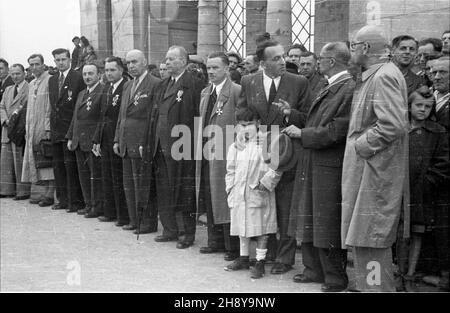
<point>279,152</point>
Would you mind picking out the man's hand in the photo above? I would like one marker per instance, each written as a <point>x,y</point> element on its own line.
<point>96,150</point>
<point>116,149</point>
<point>293,131</point>
<point>261,187</point>
<point>48,135</point>
<point>284,107</point>
<point>70,145</point>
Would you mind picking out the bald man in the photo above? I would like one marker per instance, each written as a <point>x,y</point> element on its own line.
<point>137,101</point>
<point>374,181</point>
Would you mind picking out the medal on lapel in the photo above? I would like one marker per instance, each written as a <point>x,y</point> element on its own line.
<point>114,101</point>
<point>35,93</point>
<point>89,104</point>
<point>219,108</point>
<point>69,93</point>
<point>179,95</point>
<point>136,98</point>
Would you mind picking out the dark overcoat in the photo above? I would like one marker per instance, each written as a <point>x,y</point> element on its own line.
<point>63,104</point>
<point>85,119</point>
<point>316,201</point>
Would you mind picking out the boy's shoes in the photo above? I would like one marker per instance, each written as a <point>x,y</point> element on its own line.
<point>241,263</point>
<point>258,271</point>
<point>231,256</point>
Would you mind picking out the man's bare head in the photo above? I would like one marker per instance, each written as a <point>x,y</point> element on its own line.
<point>136,62</point>
<point>369,42</point>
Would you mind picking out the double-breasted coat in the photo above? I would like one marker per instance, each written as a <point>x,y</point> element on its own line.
<point>85,118</point>
<point>375,183</point>
<point>133,117</point>
<point>223,115</point>
<point>63,103</point>
<point>316,200</point>
<point>253,211</point>
<point>178,106</point>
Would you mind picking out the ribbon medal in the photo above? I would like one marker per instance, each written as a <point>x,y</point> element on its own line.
<point>69,93</point>
<point>89,104</point>
<point>115,99</point>
<point>136,98</point>
<point>179,95</point>
<point>219,108</point>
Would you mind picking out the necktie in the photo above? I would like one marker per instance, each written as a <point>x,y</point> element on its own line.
<point>133,89</point>
<point>60,83</point>
<point>16,91</point>
<point>273,92</point>
<point>211,104</point>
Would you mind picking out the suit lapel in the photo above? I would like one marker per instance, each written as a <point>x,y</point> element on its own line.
<point>205,100</point>
<point>260,95</point>
<point>222,99</point>
<point>65,87</point>
<point>20,95</point>
<point>138,91</point>
<point>181,85</point>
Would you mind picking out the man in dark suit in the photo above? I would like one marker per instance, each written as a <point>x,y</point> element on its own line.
<point>80,137</point>
<point>175,170</point>
<point>5,81</point>
<point>323,136</point>
<point>76,52</point>
<point>114,204</point>
<point>63,92</point>
<point>281,99</point>
<point>137,100</point>
<point>308,68</point>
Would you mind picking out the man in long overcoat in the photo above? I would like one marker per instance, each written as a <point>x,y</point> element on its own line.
<point>375,184</point>
<point>174,165</point>
<point>217,109</point>
<point>316,203</point>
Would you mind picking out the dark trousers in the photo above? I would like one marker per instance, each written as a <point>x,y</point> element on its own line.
<point>114,204</point>
<point>218,234</point>
<point>327,265</point>
<point>68,189</point>
<point>167,205</point>
<point>131,177</point>
<point>286,246</point>
<point>89,171</point>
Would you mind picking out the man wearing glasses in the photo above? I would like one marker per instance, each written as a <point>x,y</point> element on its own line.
<point>374,176</point>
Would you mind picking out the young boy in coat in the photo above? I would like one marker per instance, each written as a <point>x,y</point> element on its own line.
<point>250,186</point>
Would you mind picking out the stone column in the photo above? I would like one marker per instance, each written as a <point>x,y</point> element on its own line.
<point>208,27</point>
<point>279,21</point>
<point>255,23</point>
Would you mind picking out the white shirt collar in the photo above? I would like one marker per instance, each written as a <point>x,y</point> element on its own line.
<point>65,73</point>
<point>335,77</point>
<point>115,85</point>
<point>268,83</point>
<point>179,76</point>
<point>219,87</point>
<point>93,87</point>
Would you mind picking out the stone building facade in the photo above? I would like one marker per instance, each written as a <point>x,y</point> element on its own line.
<point>204,26</point>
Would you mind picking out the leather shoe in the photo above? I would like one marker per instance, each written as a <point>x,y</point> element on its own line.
<point>280,268</point>
<point>59,206</point>
<point>46,202</point>
<point>91,215</point>
<point>20,198</point>
<point>146,231</point>
<point>35,201</point>
<point>163,238</point>
<point>332,288</point>
<point>184,244</point>
<point>106,219</point>
<point>209,250</point>
<point>83,211</point>
<point>120,223</point>
<point>129,227</point>
<point>303,279</point>
<point>230,256</point>
<point>72,210</point>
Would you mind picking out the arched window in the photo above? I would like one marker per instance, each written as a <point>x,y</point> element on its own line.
<point>233,17</point>
<point>303,23</point>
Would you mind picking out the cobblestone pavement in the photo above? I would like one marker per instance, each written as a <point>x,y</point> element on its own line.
<point>41,250</point>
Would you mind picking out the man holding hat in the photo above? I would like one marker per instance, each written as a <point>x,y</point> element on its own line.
<point>316,203</point>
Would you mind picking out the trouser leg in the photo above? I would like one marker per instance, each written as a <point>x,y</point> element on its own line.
<point>7,177</point>
<point>59,171</point>
<point>85,176</point>
<point>311,262</point>
<point>22,189</point>
<point>333,264</point>
<point>73,182</point>
<point>128,186</point>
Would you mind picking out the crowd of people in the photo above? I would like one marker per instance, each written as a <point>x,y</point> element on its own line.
<point>344,149</point>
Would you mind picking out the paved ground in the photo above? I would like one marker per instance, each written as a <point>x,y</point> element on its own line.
<point>41,250</point>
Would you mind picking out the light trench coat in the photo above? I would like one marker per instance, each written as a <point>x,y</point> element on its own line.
<point>253,212</point>
<point>375,182</point>
<point>37,124</point>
